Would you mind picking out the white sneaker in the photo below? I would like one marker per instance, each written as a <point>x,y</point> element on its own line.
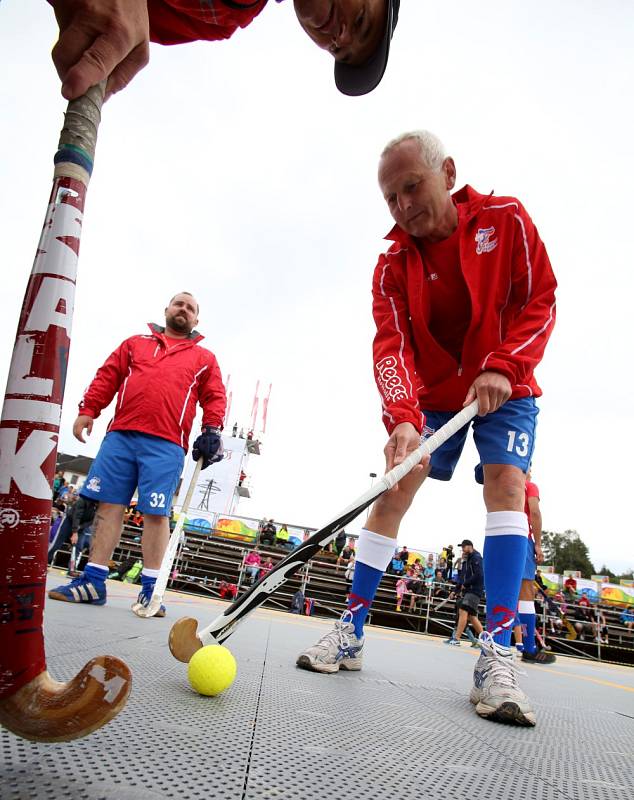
<point>338,649</point>
<point>496,693</point>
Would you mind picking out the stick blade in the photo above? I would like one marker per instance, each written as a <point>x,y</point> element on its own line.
<point>150,610</point>
<point>183,641</point>
<point>48,711</point>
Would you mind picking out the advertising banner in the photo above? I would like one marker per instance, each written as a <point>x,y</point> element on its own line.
<point>617,595</point>
<point>552,581</point>
<point>215,488</point>
<point>589,588</point>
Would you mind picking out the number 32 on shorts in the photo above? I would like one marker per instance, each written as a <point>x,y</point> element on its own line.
<point>157,499</point>
<point>518,443</point>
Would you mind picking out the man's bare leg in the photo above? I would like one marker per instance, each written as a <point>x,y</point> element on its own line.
<point>106,532</point>
<point>476,624</point>
<point>463,617</point>
<point>156,534</point>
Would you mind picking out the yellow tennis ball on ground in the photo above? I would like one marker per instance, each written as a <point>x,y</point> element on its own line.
<point>212,669</point>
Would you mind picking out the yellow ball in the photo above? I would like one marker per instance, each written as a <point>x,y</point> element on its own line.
<point>212,669</point>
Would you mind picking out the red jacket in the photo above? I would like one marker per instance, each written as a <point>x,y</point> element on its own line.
<point>512,290</point>
<point>158,388</point>
<point>179,21</point>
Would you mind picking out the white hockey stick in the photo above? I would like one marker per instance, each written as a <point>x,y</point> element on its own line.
<point>184,639</point>
<point>168,559</point>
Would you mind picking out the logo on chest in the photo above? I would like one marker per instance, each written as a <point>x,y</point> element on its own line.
<point>485,240</point>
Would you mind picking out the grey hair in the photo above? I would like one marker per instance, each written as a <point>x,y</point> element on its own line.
<point>431,148</point>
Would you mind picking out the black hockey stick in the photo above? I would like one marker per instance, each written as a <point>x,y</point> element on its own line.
<point>184,639</point>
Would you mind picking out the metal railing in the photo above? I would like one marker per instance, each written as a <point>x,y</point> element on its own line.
<point>584,637</point>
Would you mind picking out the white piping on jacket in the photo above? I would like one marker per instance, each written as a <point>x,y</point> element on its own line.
<point>535,335</point>
<point>125,383</point>
<point>189,391</point>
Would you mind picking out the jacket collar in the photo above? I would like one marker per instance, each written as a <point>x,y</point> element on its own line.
<point>467,196</point>
<point>158,331</point>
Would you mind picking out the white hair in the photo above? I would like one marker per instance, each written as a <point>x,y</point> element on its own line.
<point>431,148</point>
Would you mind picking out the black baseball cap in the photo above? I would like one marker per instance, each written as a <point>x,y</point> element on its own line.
<point>465,542</point>
<point>358,79</point>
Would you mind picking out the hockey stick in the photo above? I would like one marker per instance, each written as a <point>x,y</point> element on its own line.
<point>183,639</point>
<point>32,705</point>
<point>72,561</point>
<point>168,559</point>
<point>553,607</point>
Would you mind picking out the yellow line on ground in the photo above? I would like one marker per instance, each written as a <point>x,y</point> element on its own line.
<point>566,674</point>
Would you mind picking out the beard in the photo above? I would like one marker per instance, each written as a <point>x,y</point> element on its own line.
<point>178,323</point>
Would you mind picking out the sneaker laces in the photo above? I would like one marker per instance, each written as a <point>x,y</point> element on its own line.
<point>503,669</point>
<point>337,635</point>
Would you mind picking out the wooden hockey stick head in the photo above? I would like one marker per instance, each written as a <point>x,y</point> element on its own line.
<point>48,711</point>
<point>183,641</point>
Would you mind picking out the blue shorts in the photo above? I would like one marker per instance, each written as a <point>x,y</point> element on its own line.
<point>530,567</point>
<point>127,460</point>
<point>505,437</point>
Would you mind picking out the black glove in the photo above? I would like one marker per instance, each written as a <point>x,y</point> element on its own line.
<point>209,446</point>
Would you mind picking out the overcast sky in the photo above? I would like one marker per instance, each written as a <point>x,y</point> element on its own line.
<point>236,171</point>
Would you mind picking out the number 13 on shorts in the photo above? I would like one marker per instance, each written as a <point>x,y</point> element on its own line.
<point>518,443</point>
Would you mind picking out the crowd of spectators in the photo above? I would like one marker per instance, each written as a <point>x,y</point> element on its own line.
<point>568,613</point>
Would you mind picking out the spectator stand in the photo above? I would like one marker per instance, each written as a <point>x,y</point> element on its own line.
<point>209,560</point>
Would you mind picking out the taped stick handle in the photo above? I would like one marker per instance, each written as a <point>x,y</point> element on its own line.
<point>78,138</point>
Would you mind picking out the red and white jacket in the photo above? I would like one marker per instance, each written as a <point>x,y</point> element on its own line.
<point>512,289</point>
<point>179,21</point>
<point>157,387</point>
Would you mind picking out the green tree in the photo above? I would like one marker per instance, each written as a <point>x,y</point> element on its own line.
<point>567,551</point>
<point>607,571</point>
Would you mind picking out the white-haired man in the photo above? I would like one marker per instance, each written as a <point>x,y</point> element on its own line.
<point>464,305</point>
<point>159,378</point>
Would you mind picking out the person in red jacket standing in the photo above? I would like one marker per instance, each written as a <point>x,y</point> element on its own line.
<point>525,639</point>
<point>464,303</point>
<point>159,378</point>
<point>110,38</point>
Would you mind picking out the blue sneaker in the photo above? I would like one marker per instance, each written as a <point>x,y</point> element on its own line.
<point>143,600</point>
<point>453,642</point>
<point>81,590</point>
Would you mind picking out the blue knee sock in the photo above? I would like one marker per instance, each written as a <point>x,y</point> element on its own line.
<point>148,579</point>
<point>504,554</point>
<point>527,618</point>
<point>374,553</point>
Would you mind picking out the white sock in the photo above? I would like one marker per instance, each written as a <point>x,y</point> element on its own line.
<point>374,549</point>
<point>150,573</point>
